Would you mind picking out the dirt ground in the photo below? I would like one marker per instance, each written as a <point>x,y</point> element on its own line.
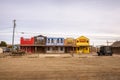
<point>83,67</point>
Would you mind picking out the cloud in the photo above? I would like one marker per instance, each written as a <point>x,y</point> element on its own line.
<point>80,17</point>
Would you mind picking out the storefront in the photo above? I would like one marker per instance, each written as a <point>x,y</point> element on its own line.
<point>27,44</point>
<point>82,45</point>
<point>69,44</point>
<point>40,42</point>
<point>43,44</point>
<point>55,45</point>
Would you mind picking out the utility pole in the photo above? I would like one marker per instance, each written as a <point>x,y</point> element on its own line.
<point>107,43</point>
<point>13,35</point>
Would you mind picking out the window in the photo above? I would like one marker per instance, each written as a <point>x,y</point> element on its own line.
<point>61,40</point>
<point>52,41</point>
<point>41,38</point>
<point>57,40</point>
<point>87,41</point>
<point>48,40</point>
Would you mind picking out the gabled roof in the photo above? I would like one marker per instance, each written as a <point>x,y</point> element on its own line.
<point>39,36</point>
<point>83,37</point>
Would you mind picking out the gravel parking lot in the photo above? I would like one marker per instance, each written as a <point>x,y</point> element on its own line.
<point>64,67</point>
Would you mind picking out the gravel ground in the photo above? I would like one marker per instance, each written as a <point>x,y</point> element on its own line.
<point>64,67</point>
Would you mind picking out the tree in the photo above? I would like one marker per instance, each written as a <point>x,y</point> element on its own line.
<point>3,44</point>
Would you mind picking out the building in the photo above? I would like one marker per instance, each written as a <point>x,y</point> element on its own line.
<point>55,45</point>
<point>27,44</point>
<point>116,47</point>
<point>44,44</point>
<point>69,44</point>
<point>82,45</point>
<point>39,44</point>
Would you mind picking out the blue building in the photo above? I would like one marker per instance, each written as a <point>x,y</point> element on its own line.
<point>55,41</point>
<point>55,45</point>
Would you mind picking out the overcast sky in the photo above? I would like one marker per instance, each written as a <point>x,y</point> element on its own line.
<point>98,20</point>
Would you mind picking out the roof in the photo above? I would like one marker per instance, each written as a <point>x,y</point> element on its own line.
<point>39,36</point>
<point>83,37</point>
<point>55,38</point>
<point>116,44</point>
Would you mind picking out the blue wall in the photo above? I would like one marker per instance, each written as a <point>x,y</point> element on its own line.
<point>54,41</point>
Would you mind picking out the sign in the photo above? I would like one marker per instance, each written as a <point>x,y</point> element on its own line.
<point>83,40</point>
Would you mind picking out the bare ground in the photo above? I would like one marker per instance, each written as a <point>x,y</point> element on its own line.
<point>60,68</point>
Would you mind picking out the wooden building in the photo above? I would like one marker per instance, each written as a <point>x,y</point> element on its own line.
<point>55,45</point>
<point>116,47</point>
<point>82,45</point>
<point>43,44</point>
<point>27,44</point>
<point>39,44</point>
<point>69,44</point>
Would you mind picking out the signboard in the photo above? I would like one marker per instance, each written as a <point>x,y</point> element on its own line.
<point>83,40</point>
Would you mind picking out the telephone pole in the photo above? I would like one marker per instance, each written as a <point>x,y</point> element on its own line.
<point>108,43</point>
<point>13,35</point>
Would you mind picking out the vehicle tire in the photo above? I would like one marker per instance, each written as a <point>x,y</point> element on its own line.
<point>101,54</point>
<point>111,54</point>
<point>98,54</point>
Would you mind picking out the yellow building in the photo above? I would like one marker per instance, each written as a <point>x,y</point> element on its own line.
<point>82,45</point>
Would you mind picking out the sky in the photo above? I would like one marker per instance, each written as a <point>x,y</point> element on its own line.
<point>99,20</point>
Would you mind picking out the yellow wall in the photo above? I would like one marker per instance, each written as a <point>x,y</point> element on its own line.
<point>82,44</point>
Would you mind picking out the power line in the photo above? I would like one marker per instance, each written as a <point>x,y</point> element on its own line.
<point>62,34</point>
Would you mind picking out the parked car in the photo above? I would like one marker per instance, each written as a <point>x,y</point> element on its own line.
<point>6,50</point>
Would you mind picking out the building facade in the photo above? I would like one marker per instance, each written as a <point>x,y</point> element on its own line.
<point>69,44</point>
<point>116,47</point>
<point>27,44</point>
<point>43,44</point>
<point>82,45</point>
<point>54,45</point>
<point>40,42</point>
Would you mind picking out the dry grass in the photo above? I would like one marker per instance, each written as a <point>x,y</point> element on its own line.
<point>60,68</point>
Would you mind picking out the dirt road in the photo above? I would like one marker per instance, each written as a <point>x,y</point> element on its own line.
<point>66,68</point>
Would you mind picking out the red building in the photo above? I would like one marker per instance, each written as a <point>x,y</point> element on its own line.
<point>27,44</point>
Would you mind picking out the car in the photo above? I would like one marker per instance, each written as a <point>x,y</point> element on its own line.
<point>6,50</point>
